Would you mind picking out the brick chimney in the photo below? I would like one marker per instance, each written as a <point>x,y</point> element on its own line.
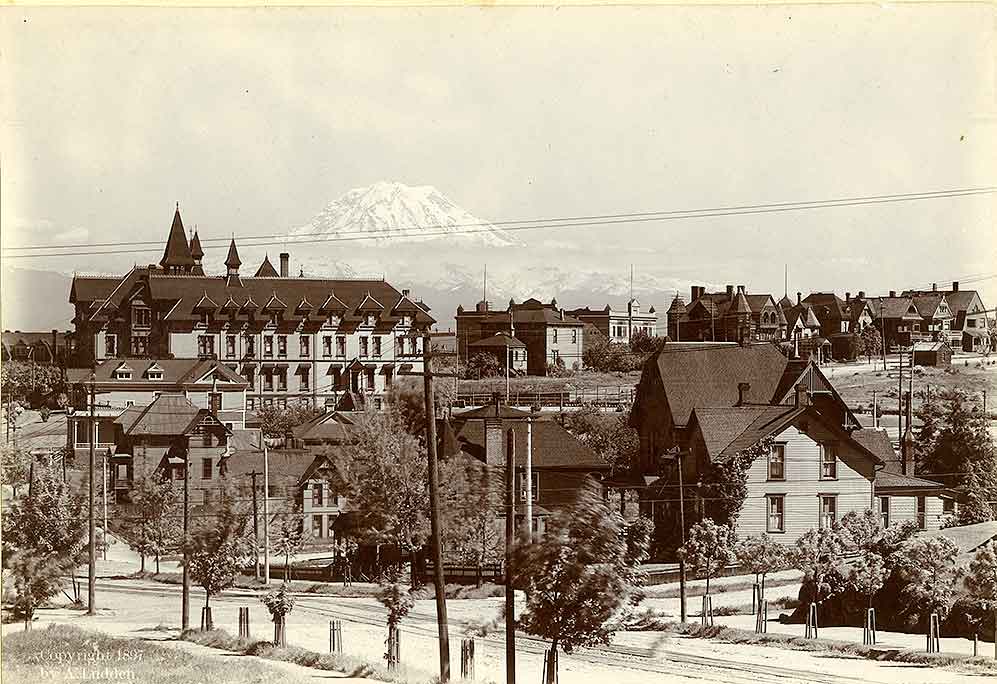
<point>861,294</point>
<point>730,290</point>
<point>742,389</point>
<point>848,296</point>
<point>494,449</point>
<point>799,298</point>
<point>893,293</point>
<point>934,287</point>
<point>285,264</point>
<point>405,293</point>
<point>801,398</point>
<point>955,285</point>
<point>694,293</point>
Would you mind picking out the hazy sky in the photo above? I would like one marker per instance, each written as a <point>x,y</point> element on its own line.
<point>253,120</point>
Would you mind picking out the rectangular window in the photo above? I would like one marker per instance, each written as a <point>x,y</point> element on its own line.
<point>884,511</point>
<point>337,377</point>
<point>777,513</point>
<point>555,335</point>
<point>139,345</point>
<point>141,317</point>
<point>272,491</point>
<point>399,346</point>
<point>268,381</point>
<point>327,346</point>
<point>250,346</point>
<point>230,346</point>
<point>388,377</point>
<point>305,346</point>
<point>304,383</point>
<point>214,401</point>
<point>535,491</point>
<point>828,462</point>
<point>250,403</point>
<point>341,346</point>
<point>378,404</point>
<point>110,345</point>
<point>206,469</point>
<point>948,506</point>
<point>922,521</point>
<point>317,501</point>
<point>363,347</point>
<point>574,337</point>
<point>828,511</point>
<point>205,345</point>
<point>777,462</point>
<point>268,346</point>
<point>282,380</point>
<point>317,526</point>
<point>413,345</point>
<point>282,346</point>
<point>377,346</point>
<point>369,380</point>
<point>250,374</point>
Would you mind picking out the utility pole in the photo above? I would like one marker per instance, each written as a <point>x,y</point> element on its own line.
<point>436,525</point>
<point>875,409</point>
<point>510,534</point>
<point>529,479</point>
<point>92,568</point>
<point>266,511</point>
<point>185,591</point>
<point>256,529</point>
<point>434,503</point>
<point>682,611</point>
<point>104,480</point>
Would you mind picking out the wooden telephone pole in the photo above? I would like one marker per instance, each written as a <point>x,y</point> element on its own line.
<point>436,525</point>
<point>92,568</point>
<point>256,527</point>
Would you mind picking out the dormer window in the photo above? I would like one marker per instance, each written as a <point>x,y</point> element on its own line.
<point>370,320</point>
<point>155,375</point>
<point>274,319</point>
<point>205,319</point>
<point>333,320</point>
<point>123,372</point>
<point>406,321</point>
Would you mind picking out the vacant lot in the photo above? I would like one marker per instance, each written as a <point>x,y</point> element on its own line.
<point>531,383</point>
<point>972,375</point>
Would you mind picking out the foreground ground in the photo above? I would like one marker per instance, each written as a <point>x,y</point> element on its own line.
<point>145,609</point>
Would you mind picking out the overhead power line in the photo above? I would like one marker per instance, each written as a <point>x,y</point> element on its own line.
<point>38,251</point>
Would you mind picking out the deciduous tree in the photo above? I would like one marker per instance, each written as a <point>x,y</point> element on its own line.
<point>868,574</point>
<point>288,535</point>
<point>277,421</point>
<point>872,342</point>
<point>761,555</point>
<point>471,531</point>
<point>217,548</point>
<point>581,573</point>
<point>927,566</point>
<point>15,466</point>
<point>708,549</point>
<point>818,555</point>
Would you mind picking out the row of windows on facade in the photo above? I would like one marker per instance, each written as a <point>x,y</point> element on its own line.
<point>142,318</point>
<point>370,346</point>
<point>574,335</point>
<point>829,511</point>
<point>620,330</point>
<point>828,462</point>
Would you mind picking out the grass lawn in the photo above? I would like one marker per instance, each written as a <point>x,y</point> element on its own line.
<point>978,376</point>
<point>61,653</point>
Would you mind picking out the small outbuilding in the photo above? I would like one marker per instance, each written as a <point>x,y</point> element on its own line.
<point>932,354</point>
<point>507,349</point>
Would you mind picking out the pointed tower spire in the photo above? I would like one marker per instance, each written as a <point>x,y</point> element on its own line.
<point>176,256</point>
<point>232,261</point>
<point>196,254</point>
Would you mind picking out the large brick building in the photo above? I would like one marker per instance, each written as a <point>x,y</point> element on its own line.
<point>294,339</point>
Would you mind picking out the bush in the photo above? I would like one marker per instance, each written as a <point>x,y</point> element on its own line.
<point>484,365</point>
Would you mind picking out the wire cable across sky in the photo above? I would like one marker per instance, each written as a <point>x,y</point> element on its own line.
<point>596,220</point>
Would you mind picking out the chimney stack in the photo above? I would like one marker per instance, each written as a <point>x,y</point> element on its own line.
<point>893,293</point>
<point>955,285</point>
<point>861,294</point>
<point>801,398</point>
<point>934,287</point>
<point>285,264</point>
<point>799,298</point>
<point>740,288</point>
<point>694,292</point>
<point>742,389</point>
<point>494,451</point>
<point>405,293</point>
<point>848,296</point>
<point>730,290</point>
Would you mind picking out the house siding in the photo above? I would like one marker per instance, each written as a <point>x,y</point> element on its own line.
<point>904,508</point>
<point>802,488</point>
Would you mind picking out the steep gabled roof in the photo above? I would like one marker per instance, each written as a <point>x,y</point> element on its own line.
<point>266,269</point>
<point>169,414</point>
<point>826,305</point>
<point>369,304</point>
<point>709,375</point>
<point>333,303</point>
<point>728,430</point>
<point>274,303</point>
<point>177,252</point>
<point>553,446</point>
<point>895,307</point>
<point>195,247</point>
<point>326,427</point>
<point>205,303</point>
<point>927,304</point>
<point>757,302</point>
<point>232,260</point>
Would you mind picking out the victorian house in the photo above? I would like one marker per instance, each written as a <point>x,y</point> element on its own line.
<point>898,319</point>
<point>729,316</point>
<point>293,339</point>
<point>840,319</point>
<point>968,329</point>
<point>619,325</point>
<point>711,404</point>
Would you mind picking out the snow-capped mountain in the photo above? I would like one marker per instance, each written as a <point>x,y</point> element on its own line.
<point>394,209</point>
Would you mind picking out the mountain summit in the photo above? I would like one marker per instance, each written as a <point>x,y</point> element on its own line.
<point>384,210</point>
